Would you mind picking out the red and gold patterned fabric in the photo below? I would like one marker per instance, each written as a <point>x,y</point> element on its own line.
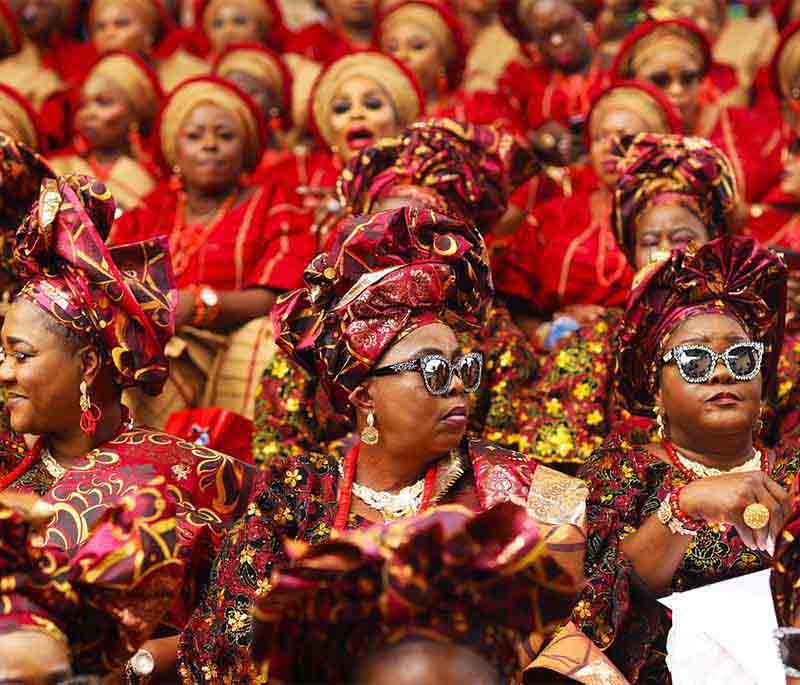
<point>786,564</point>
<point>733,275</point>
<point>297,498</point>
<point>626,484</point>
<point>107,595</point>
<point>687,170</point>
<point>449,575</point>
<point>207,489</point>
<point>386,275</point>
<point>123,298</point>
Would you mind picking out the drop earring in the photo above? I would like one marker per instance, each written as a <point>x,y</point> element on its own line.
<point>90,412</point>
<point>660,427</point>
<point>370,434</point>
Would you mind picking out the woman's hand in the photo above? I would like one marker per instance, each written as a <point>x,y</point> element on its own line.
<point>723,499</point>
<point>185,308</point>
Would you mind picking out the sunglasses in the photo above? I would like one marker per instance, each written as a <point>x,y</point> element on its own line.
<point>437,371</point>
<point>696,363</point>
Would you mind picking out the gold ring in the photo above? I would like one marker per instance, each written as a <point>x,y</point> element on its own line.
<point>756,516</point>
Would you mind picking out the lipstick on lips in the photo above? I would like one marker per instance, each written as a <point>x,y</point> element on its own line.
<point>359,137</point>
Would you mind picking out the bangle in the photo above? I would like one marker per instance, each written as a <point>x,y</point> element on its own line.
<point>688,522</point>
<point>139,668</point>
<point>673,517</point>
<point>206,305</point>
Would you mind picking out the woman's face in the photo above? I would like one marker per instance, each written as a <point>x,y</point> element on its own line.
<point>39,18</point>
<point>559,30</point>
<point>235,23</point>
<point>606,129</point>
<point>362,113</point>
<point>405,411</point>
<point>211,149</point>
<point>120,27</point>
<point>722,406</point>
<point>678,75</point>
<point>665,228</point>
<point>104,116</point>
<point>356,13</point>
<point>40,371</point>
<point>415,46</point>
<point>260,90</point>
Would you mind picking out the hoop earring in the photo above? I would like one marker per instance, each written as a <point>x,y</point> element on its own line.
<point>369,434</point>
<point>90,412</point>
<point>661,431</point>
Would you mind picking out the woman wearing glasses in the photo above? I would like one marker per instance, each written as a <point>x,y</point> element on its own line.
<point>373,325</point>
<point>699,346</point>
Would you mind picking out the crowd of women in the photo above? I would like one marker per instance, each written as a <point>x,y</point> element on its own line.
<point>400,341</point>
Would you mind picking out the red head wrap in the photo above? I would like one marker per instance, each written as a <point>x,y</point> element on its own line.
<point>386,275</point>
<point>689,170</point>
<point>469,170</point>
<point>449,575</point>
<point>122,298</point>
<point>731,275</point>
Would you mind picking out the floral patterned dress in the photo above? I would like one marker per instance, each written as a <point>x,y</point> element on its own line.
<point>616,610</point>
<point>296,497</point>
<point>293,414</point>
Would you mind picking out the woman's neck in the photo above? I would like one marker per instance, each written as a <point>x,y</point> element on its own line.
<point>357,35</point>
<point>386,470</point>
<point>202,204</point>
<point>109,155</point>
<point>718,451</point>
<point>68,446</point>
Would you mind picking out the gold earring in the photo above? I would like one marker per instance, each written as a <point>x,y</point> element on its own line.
<point>370,434</point>
<point>758,426</point>
<point>660,428</point>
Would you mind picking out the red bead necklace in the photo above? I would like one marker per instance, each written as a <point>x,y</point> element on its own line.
<point>346,488</point>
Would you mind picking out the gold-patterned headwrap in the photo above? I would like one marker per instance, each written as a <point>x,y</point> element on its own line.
<point>147,9</point>
<point>17,119</point>
<point>637,101</point>
<point>258,63</point>
<point>130,74</point>
<point>651,38</point>
<point>396,81</point>
<point>429,19</point>
<point>214,91</point>
<point>259,8</point>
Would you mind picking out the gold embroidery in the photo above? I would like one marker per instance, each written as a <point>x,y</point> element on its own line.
<point>556,498</point>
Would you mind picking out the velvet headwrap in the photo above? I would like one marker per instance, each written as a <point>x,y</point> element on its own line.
<point>135,78</point>
<point>484,581</point>
<point>122,298</point>
<point>263,64</point>
<point>785,578</point>
<point>214,91</point>
<point>468,171</point>
<point>730,275</point>
<point>385,276</point>
<point>397,81</point>
<point>651,37</point>
<point>437,18</point>
<point>683,169</point>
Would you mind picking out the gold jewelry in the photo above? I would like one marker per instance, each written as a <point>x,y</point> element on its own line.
<point>547,141</point>
<point>668,519</point>
<point>703,471</point>
<point>53,467</point>
<point>660,428</point>
<point>86,400</point>
<point>370,434</point>
<point>756,515</point>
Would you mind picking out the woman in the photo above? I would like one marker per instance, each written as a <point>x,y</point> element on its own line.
<point>348,27</point>
<point>674,55</point>
<point>464,172</point>
<point>119,100</point>
<point>672,191</point>
<point>357,326</point>
<point>554,90</point>
<point>89,322</point>
<point>702,504</point>
<point>230,254</point>
<point>428,38</point>
<point>226,22</point>
<point>356,101</point>
<point>405,622</point>
<point>565,255</point>
<point>146,28</point>
<point>264,76</point>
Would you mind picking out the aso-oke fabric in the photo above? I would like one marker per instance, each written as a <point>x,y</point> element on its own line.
<point>385,276</point>
<point>449,575</point>
<point>730,275</point>
<point>122,298</point>
<point>690,170</point>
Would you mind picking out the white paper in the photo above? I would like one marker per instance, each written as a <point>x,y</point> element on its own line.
<point>722,634</point>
